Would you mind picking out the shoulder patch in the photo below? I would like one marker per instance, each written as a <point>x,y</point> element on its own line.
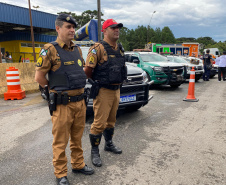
<point>39,62</point>
<point>43,52</point>
<point>91,60</point>
<point>94,51</point>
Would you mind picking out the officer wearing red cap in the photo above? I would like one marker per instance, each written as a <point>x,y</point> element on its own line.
<point>62,61</point>
<point>105,64</point>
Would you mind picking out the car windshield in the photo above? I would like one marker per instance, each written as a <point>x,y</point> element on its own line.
<point>177,59</point>
<point>147,57</point>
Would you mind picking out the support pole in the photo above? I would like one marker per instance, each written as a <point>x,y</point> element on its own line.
<point>1,55</point>
<point>99,20</point>
<point>32,33</point>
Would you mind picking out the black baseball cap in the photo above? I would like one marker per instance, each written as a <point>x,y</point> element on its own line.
<point>66,18</point>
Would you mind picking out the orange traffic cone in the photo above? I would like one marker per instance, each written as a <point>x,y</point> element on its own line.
<point>13,84</point>
<point>191,88</point>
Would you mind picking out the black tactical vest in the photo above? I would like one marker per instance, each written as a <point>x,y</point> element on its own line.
<point>207,58</point>
<point>113,70</point>
<point>70,75</point>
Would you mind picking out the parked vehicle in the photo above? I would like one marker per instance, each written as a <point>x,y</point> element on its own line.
<point>157,67</point>
<point>214,69</point>
<point>189,64</point>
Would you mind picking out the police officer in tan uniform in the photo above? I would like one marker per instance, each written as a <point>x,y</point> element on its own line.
<point>62,61</point>
<point>105,65</point>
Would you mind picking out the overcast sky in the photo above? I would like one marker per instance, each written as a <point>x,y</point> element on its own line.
<point>187,18</point>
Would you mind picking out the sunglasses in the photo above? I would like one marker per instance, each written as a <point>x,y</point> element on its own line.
<point>114,28</point>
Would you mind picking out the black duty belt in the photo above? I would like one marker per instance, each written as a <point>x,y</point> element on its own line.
<point>111,87</point>
<point>65,99</point>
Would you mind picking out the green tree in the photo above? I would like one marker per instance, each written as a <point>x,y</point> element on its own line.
<point>206,41</point>
<point>185,39</point>
<point>151,34</point>
<point>124,38</point>
<point>167,36</point>
<point>140,37</point>
<point>157,37</point>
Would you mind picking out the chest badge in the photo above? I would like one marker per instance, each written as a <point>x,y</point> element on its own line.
<point>79,62</point>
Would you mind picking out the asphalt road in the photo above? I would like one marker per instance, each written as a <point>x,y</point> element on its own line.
<point>169,141</point>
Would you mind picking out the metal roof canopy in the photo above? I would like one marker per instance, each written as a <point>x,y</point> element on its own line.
<point>17,18</point>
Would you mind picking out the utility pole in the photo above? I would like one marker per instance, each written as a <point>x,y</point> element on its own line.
<point>149,25</point>
<point>1,55</point>
<point>32,33</point>
<point>99,20</point>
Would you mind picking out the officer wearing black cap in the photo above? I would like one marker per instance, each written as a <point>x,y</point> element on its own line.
<point>62,61</point>
<point>66,18</point>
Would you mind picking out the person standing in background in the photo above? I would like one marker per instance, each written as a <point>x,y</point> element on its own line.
<point>8,57</point>
<point>217,61</point>
<point>207,63</point>
<point>222,66</point>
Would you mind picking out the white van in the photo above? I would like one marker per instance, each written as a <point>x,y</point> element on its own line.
<point>213,51</point>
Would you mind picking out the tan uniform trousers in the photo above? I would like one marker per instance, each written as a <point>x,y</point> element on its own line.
<point>68,121</point>
<point>105,108</point>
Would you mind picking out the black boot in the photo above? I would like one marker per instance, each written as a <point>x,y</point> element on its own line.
<point>109,145</point>
<point>62,181</point>
<point>95,156</point>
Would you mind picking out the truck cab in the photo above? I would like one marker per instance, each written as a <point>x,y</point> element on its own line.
<point>157,67</point>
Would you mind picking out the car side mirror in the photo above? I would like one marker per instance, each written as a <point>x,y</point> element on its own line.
<point>136,61</point>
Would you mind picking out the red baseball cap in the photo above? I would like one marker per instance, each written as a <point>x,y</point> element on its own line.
<point>111,23</point>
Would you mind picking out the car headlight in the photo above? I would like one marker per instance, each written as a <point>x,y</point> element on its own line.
<point>158,69</point>
<point>188,69</point>
<point>145,77</point>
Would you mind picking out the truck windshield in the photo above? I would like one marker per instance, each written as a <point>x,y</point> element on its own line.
<point>177,59</point>
<point>147,57</point>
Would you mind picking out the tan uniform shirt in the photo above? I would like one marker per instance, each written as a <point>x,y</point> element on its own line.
<point>49,59</point>
<point>97,54</point>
